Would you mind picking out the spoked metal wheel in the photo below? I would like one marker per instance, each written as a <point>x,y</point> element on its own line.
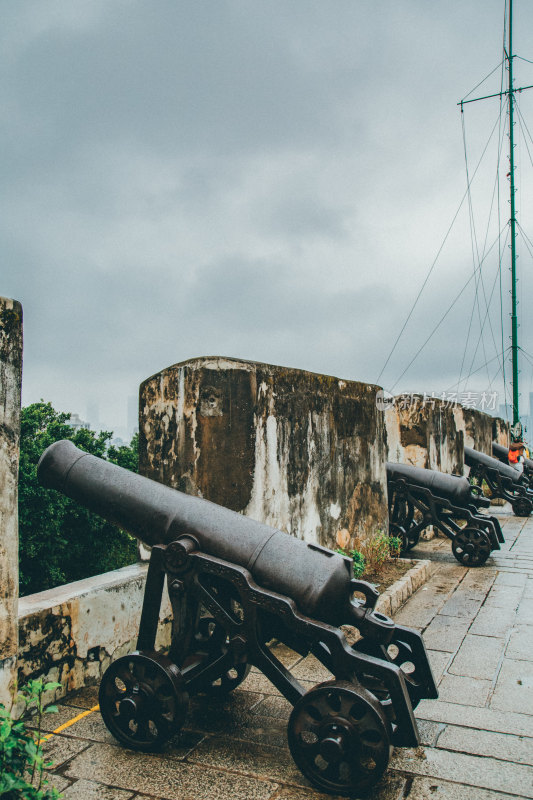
<point>212,638</point>
<point>339,738</point>
<point>141,701</point>
<point>522,507</point>
<point>471,547</point>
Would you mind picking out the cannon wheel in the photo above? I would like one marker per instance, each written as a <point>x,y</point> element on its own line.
<point>211,636</point>
<point>471,547</point>
<point>339,738</point>
<point>141,701</point>
<point>522,507</point>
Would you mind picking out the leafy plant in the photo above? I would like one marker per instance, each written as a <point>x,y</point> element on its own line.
<point>370,555</point>
<point>22,761</point>
<point>59,540</point>
<point>358,561</point>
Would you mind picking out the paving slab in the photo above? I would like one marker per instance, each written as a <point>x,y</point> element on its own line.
<point>486,772</point>
<point>163,776</point>
<point>464,691</point>
<point>90,790</point>
<point>507,597</point>
<point>391,787</point>
<point>507,747</point>
<point>487,719</point>
<point>445,633</point>
<point>436,789</point>
<point>520,645</point>
<point>490,621</point>
<point>514,687</point>
<point>478,657</point>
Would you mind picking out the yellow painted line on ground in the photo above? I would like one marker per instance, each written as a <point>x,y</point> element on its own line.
<point>70,722</point>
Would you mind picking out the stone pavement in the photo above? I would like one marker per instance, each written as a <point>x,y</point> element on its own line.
<point>477,738</point>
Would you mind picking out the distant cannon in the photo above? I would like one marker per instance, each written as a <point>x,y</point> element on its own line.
<point>235,585</point>
<point>422,497</point>
<point>525,468</point>
<point>502,480</point>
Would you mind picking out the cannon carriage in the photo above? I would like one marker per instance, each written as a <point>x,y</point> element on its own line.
<point>235,587</point>
<point>502,480</point>
<point>420,497</point>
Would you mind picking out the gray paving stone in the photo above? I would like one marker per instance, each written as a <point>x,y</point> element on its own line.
<point>258,761</point>
<point>462,605</point>
<point>164,776</point>
<point>504,746</point>
<point>478,657</point>
<point>277,707</point>
<point>445,633</point>
<point>60,749</point>
<point>528,589</point>
<point>510,579</point>
<point>429,732</point>
<point>507,597</point>
<point>311,669</point>
<point>524,614</point>
<point>479,580</point>
<point>483,718</point>
<point>514,687</point>
<point>89,790</point>
<point>520,645</point>
<point>436,789</point>
<point>464,691</point>
<point>487,773</point>
<point>438,661</point>
<point>391,787</point>
<point>493,622</point>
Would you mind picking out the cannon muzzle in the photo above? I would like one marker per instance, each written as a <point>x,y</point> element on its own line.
<point>318,580</point>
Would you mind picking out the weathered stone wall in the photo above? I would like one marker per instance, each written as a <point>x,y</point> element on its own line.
<point>423,432</point>
<point>10,384</point>
<point>299,451</point>
<point>480,429</point>
<point>72,633</point>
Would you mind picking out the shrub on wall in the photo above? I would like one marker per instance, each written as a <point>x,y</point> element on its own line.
<point>59,541</point>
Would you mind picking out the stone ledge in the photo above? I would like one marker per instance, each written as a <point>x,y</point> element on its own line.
<point>401,590</point>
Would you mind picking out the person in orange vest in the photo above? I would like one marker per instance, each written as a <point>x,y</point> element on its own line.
<point>516,453</point>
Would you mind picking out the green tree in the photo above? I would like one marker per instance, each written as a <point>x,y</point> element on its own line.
<point>59,541</point>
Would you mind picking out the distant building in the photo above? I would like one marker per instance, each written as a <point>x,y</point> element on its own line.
<point>76,422</point>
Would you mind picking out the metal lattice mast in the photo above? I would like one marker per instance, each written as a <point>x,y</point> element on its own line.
<point>514,321</point>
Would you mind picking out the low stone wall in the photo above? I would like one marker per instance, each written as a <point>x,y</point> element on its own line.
<point>72,633</point>
<point>423,432</point>
<point>480,429</point>
<point>430,433</point>
<point>10,383</point>
<point>302,452</point>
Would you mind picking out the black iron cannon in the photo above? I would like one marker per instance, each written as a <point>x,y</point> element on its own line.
<point>422,497</point>
<point>525,468</point>
<point>235,586</point>
<point>502,480</point>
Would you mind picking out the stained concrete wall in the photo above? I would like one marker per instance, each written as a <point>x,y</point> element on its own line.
<point>299,451</point>
<point>72,633</point>
<point>10,384</point>
<point>423,432</point>
<point>480,429</point>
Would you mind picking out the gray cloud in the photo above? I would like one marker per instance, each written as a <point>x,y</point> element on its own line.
<point>262,180</point>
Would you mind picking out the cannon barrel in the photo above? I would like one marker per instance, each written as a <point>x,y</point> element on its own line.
<point>474,458</point>
<point>502,454</point>
<point>454,488</point>
<point>318,580</point>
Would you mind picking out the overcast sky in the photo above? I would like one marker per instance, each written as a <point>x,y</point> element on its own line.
<point>263,180</point>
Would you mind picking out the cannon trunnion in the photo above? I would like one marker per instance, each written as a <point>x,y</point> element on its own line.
<point>235,586</point>
<point>422,497</point>
<point>503,480</point>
